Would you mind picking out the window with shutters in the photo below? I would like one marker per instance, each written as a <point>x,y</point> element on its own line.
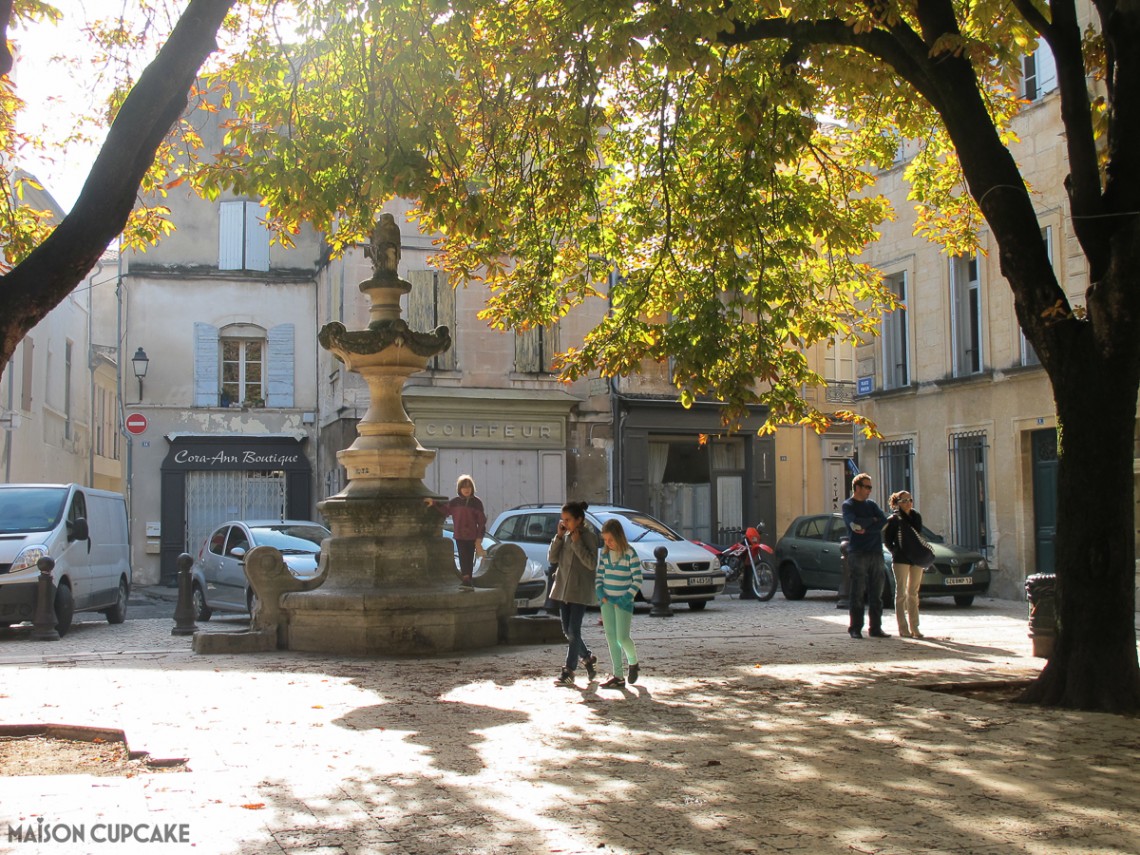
<point>243,371</point>
<point>535,350</point>
<point>243,240</point>
<point>896,339</point>
<point>243,365</point>
<point>1038,73</point>
<point>965,315</point>
<point>431,304</point>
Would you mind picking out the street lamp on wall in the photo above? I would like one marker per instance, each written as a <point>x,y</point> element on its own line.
<point>140,363</point>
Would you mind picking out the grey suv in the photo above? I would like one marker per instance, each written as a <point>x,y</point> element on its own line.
<point>694,574</point>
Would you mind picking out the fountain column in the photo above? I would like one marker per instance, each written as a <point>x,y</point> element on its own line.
<point>392,587</point>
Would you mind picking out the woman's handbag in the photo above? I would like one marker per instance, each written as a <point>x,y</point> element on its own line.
<point>913,547</point>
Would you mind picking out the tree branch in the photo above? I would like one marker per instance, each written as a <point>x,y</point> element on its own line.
<point>35,286</point>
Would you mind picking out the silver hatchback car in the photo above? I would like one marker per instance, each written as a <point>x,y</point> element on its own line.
<point>694,574</point>
<point>218,580</point>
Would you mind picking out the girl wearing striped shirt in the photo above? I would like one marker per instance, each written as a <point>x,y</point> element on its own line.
<point>618,581</point>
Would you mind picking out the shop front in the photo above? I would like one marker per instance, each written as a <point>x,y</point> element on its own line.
<point>207,480</point>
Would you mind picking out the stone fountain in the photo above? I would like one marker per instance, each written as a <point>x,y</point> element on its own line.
<point>392,588</point>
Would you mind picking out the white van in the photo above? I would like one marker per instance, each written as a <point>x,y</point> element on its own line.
<point>84,531</point>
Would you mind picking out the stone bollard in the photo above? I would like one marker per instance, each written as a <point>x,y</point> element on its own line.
<point>184,611</point>
<point>661,586</point>
<point>44,629</point>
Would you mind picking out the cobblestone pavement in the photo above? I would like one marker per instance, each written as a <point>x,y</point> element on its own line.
<point>756,728</point>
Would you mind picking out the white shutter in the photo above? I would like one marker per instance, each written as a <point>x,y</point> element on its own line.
<point>206,375</point>
<point>1046,68</point>
<point>231,228</point>
<point>279,392</point>
<point>256,239</point>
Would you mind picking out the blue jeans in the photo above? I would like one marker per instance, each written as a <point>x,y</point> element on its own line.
<point>572,614</point>
<point>868,575</point>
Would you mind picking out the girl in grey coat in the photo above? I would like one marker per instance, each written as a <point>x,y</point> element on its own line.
<point>575,551</point>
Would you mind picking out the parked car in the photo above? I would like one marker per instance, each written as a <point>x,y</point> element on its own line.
<point>84,531</point>
<point>693,573</point>
<point>531,591</point>
<point>808,557</point>
<point>217,578</point>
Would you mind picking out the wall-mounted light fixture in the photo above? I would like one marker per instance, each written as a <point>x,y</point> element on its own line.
<point>140,363</point>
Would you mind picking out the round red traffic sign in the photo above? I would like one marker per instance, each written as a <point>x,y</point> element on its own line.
<point>136,423</point>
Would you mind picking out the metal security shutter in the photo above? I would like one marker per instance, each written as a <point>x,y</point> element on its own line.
<point>214,497</point>
<point>279,391</point>
<point>206,375</point>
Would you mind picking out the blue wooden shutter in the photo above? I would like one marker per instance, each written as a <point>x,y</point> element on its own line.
<point>256,239</point>
<point>279,391</point>
<point>206,377</point>
<point>231,235</point>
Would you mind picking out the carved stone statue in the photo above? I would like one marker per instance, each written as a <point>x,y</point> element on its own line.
<point>385,247</point>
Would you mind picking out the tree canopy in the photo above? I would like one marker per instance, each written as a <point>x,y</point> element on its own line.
<point>721,157</point>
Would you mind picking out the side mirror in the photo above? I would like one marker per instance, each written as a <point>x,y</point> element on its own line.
<point>238,552</point>
<point>77,529</point>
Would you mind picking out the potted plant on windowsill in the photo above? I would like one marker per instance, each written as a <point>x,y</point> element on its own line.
<point>224,399</point>
<point>253,402</point>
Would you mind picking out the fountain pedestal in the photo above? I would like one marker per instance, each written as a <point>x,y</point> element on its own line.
<point>392,588</point>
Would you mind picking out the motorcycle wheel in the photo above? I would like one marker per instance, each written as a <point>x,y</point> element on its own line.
<point>764,581</point>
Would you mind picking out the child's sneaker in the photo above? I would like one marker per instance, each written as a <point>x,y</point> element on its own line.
<point>565,679</point>
<point>633,672</point>
<point>591,663</point>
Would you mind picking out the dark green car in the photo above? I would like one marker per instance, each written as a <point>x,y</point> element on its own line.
<point>808,558</point>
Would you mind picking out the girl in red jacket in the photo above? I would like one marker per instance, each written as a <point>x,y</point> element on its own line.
<point>469,523</point>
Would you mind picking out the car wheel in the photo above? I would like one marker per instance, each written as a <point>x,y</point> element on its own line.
<point>764,582</point>
<point>964,600</point>
<point>118,612</point>
<point>64,609</point>
<point>202,611</point>
<point>698,605</point>
<point>791,583</point>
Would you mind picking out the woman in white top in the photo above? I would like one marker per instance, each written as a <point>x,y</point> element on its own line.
<point>618,581</point>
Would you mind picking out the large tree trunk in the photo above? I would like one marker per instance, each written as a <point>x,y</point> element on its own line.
<point>1094,664</point>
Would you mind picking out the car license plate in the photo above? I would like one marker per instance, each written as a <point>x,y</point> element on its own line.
<point>520,602</point>
<point>957,580</point>
<point>700,580</point>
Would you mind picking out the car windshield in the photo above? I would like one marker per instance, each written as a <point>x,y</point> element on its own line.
<point>31,508</point>
<point>291,538</point>
<point>642,528</point>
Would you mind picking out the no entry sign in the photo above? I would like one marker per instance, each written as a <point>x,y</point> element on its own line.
<point>136,423</point>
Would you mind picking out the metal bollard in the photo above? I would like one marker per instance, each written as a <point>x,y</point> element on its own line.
<point>661,586</point>
<point>184,611</point>
<point>45,603</point>
<point>843,595</point>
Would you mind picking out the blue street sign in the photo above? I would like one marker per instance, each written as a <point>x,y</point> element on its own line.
<point>865,386</point>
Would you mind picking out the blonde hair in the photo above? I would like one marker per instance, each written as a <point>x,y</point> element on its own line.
<point>615,530</point>
<point>464,480</point>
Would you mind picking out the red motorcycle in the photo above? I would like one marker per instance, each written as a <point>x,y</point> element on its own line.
<point>750,560</point>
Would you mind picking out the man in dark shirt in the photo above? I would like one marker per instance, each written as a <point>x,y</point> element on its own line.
<point>865,521</point>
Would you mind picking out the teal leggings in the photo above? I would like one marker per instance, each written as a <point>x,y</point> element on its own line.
<point>616,623</point>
